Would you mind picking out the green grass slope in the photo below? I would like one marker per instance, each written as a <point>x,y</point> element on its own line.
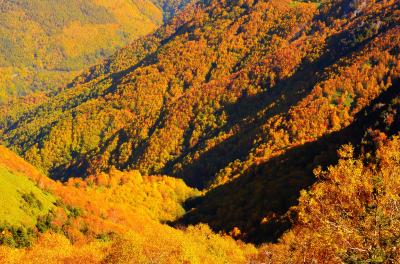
<point>22,202</point>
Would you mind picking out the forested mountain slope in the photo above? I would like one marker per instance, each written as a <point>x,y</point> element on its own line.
<point>244,98</point>
<point>107,218</point>
<point>44,44</point>
<point>266,191</point>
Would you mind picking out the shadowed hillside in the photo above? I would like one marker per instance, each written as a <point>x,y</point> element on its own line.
<point>164,101</point>
<point>267,190</point>
<point>243,99</point>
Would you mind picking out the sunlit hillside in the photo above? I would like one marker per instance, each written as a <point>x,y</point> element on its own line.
<point>111,218</point>
<point>22,201</point>
<point>224,90</point>
<point>239,131</point>
<point>44,43</point>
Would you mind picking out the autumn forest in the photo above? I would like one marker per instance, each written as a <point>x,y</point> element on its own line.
<point>202,131</point>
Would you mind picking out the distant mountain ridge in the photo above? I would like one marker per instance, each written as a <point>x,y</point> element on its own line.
<point>44,44</point>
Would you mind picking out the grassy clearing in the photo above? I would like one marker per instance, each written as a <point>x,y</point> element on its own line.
<point>21,200</point>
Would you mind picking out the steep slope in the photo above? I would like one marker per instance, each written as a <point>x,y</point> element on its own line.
<point>43,44</point>
<point>28,194</point>
<point>165,84</point>
<point>350,216</point>
<point>22,202</point>
<point>240,97</point>
<point>350,213</point>
<point>266,191</point>
<point>107,218</point>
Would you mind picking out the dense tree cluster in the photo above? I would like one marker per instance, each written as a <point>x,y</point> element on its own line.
<point>224,91</point>
<point>248,101</point>
<point>350,216</point>
<point>111,218</point>
<point>44,44</point>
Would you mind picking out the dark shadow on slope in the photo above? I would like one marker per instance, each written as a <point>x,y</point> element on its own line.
<point>200,172</point>
<point>204,169</point>
<point>258,202</point>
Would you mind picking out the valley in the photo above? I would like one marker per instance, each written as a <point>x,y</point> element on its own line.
<point>45,44</point>
<point>232,131</point>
